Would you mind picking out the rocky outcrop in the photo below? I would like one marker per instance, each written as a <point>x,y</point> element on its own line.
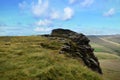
<point>78,47</point>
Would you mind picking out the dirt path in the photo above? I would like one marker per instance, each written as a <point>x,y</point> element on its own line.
<point>111,42</point>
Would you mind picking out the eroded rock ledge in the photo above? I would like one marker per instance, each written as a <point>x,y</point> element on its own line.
<point>78,47</point>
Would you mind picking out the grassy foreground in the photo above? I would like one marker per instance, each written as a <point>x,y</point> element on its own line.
<point>23,58</point>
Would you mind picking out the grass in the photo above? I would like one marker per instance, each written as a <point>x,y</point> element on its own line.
<point>108,54</point>
<point>100,48</point>
<point>38,58</point>
<point>111,69</point>
<point>114,38</point>
<point>110,64</point>
<point>106,45</point>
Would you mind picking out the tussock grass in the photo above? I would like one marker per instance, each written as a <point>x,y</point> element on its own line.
<point>24,58</point>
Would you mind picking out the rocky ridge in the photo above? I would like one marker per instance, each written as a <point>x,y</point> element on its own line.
<point>78,47</point>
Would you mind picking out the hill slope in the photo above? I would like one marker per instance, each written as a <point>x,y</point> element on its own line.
<point>108,44</point>
<point>23,58</point>
<point>107,49</point>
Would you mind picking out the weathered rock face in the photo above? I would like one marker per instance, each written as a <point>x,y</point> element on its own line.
<point>78,47</point>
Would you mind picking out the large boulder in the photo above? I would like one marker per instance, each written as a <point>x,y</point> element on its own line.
<point>78,47</point>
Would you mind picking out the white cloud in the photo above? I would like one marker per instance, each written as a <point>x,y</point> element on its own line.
<point>87,3</point>
<point>22,5</point>
<point>40,7</point>
<point>72,1</point>
<point>68,13</point>
<point>42,29</point>
<point>43,25</point>
<point>110,12</point>
<point>45,22</point>
<point>55,15</point>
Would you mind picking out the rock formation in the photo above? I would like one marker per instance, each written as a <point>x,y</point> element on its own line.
<point>78,47</point>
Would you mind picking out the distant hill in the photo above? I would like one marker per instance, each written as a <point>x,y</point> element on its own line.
<point>107,43</point>
<point>107,49</point>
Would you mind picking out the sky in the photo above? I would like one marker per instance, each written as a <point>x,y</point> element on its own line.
<point>35,17</point>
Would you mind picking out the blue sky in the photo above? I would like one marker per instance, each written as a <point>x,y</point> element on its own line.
<point>33,17</point>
